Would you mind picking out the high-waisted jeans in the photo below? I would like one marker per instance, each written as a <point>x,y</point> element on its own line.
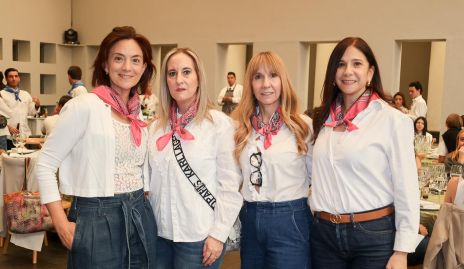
<point>275,235</point>
<point>360,245</point>
<point>113,232</point>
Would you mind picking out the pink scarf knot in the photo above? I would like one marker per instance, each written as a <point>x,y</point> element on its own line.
<point>178,125</point>
<point>269,129</point>
<point>131,111</point>
<point>337,117</point>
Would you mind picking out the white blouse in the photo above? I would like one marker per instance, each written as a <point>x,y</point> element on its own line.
<point>370,168</point>
<point>180,212</point>
<point>285,172</point>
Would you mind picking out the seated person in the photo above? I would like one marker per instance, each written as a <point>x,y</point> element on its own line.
<point>400,103</point>
<point>448,139</point>
<point>420,129</point>
<point>457,156</point>
<point>50,122</point>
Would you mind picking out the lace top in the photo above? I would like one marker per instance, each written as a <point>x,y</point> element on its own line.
<point>129,159</point>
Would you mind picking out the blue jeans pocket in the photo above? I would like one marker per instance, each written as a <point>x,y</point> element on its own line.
<point>301,221</point>
<point>77,235</point>
<point>384,225</point>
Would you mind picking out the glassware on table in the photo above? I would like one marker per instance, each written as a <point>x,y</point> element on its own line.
<point>421,146</point>
<point>19,141</point>
<point>456,170</point>
<point>439,184</point>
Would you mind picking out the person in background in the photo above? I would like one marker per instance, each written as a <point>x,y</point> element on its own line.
<point>420,130</point>
<point>50,122</point>
<point>456,157</point>
<point>2,85</point>
<point>231,95</point>
<point>447,141</point>
<point>418,106</point>
<point>399,102</point>
<point>194,178</point>
<point>20,102</point>
<point>100,146</point>
<point>74,78</point>
<point>149,102</point>
<point>273,142</point>
<point>365,192</point>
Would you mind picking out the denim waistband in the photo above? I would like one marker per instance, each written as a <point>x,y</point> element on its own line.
<point>278,206</point>
<point>110,201</point>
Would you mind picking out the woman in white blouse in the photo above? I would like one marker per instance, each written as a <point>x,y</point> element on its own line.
<point>272,147</point>
<point>194,178</point>
<point>99,144</point>
<point>365,192</point>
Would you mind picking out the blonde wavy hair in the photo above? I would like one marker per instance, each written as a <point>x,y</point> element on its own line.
<point>204,103</point>
<point>288,102</point>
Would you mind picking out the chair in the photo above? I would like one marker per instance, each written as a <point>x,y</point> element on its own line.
<point>446,246</point>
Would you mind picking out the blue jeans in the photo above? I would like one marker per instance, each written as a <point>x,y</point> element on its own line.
<point>113,232</point>
<point>357,245</point>
<point>275,235</point>
<point>182,255</point>
<point>3,143</point>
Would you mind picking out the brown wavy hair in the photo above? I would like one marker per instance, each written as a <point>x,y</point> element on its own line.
<point>330,90</point>
<point>288,103</point>
<point>99,76</point>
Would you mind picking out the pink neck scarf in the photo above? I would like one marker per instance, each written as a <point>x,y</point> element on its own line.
<point>267,129</point>
<point>130,111</point>
<point>337,117</point>
<point>178,125</point>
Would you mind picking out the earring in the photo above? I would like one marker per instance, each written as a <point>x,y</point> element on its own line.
<point>368,84</point>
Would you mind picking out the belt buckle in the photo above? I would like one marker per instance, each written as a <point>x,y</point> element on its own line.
<point>335,219</point>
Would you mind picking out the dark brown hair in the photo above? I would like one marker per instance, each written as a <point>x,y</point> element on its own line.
<point>330,90</point>
<point>100,77</point>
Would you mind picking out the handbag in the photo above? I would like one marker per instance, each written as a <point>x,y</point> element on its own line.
<point>24,211</point>
<point>233,241</point>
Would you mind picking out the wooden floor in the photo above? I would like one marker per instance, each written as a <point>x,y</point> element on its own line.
<point>54,257</point>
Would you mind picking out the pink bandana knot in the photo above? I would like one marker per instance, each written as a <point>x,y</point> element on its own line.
<point>337,117</point>
<point>131,111</point>
<point>269,129</point>
<point>178,125</point>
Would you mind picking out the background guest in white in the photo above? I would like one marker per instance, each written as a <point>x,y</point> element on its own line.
<point>50,121</point>
<point>231,95</point>
<point>418,106</point>
<point>20,102</point>
<point>74,78</point>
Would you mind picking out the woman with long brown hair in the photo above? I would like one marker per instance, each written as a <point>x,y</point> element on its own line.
<point>364,182</point>
<point>272,147</point>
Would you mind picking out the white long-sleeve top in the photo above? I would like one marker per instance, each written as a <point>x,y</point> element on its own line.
<point>82,145</point>
<point>20,110</point>
<point>238,90</point>
<point>370,168</point>
<point>285,173</point>
<point>7,112</point>
<point>418,108</point>
<point>181,213</point>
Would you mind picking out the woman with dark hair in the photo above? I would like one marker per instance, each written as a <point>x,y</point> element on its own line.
<point>100,146</point>
<point>2,85</point>
<point>420,131</point>
<point>365,193</point>
<point>399,102</point>
<point>272,147</point>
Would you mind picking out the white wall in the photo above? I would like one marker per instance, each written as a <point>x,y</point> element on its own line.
<point>435,89</point>
<point>281,26</point>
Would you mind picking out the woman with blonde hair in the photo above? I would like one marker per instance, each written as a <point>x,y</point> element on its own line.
<point>194,177</point>
<point>272,147</point>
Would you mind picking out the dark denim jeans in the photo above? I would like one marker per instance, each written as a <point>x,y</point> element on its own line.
<point>183,255</point>
<point>275,235</point>
<point>357,245</point>
<point>113,232</point>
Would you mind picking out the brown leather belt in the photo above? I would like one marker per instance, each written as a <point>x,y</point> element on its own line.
<point>356,217</point>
